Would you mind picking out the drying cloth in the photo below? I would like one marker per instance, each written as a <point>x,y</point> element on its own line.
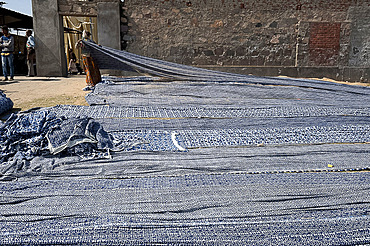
<point>203,209</point>
<point>207,94</point>
<point>204,158</point>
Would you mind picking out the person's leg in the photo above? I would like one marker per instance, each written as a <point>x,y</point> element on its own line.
<point>95,77</point>
<point>86,62</point>
<point>31,71</point>
<point>4,64</point>
<point>11,65</point>
<point>87,66</point>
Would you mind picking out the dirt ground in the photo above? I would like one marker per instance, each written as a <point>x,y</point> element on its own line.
<point>32,92</point>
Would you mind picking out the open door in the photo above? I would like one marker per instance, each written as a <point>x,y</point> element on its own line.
<point>73,28</point>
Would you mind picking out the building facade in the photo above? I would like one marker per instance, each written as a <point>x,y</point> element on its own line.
<point>297,38</point>
<point>265,37</point>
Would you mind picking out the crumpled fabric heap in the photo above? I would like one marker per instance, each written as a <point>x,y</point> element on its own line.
<point>42,133</point>
<point>5,103</point>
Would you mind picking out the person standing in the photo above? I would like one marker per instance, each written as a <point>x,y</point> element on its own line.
<point>72,68</point>
<point>30,45</point>
<point>93,75</point>
<point>7,45</point>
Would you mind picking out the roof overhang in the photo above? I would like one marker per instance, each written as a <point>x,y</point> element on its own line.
<point>15,19</point>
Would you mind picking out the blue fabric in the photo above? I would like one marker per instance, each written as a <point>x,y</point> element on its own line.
<point>203,209</point>
<point>30,42</point>
<point>185,111</point>
<point>25,136</point>
<point>7,61</point>
<point>273,93</point>
<point>205,158</point>
<point>6,104</point>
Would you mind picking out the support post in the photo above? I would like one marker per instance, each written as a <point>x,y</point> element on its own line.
<point>109,24</point>
<point>49,37</point>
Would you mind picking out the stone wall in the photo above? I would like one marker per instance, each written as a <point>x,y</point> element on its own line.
<point>81,7</point>
<point>360,38</point>
<point>267,33</point>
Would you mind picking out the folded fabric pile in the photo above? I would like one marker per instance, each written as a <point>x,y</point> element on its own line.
<point>41,133</point>
<point>5,103</point>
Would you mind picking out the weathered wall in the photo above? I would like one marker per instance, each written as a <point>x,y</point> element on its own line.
<point>265,37</point>
<point>267,33</point>
<point>81,7</point>
<point>48,29</point>
<point>109,24</point>
<point>48,26</point>
<point>360,38</point>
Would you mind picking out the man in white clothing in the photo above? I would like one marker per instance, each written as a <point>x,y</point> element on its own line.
<point>30,45</point>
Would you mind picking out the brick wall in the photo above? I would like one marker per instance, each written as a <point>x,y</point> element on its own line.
<point>324,44</point>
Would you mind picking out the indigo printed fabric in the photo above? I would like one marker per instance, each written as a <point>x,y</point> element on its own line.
<point>5,103</point>
<point>188,156</point>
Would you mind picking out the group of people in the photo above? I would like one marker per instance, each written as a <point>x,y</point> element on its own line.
<point>7,53</point>
<point>7,57</point>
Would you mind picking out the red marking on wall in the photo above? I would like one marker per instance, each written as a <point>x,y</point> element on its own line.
<point>324,43</point>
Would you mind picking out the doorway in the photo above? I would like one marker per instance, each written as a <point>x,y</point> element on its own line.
<point>73,28</point>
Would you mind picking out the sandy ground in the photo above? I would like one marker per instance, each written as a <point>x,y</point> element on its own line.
<point>32,92</point>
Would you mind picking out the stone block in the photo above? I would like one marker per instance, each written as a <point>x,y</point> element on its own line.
<point>246,61</point>
<point>240,51</point>
<point>217,23</point>
<point>273,24</point>
<point>219,51</point>
<point>286,22</point>
<point>194,22</point>
<point>287,52</point>
<point>287,62</point>
<point>176,11</point>
<point>77,9</point>
<point>208,52</point>
<point>65,8</point>
<point>230,52</point>
<point>275,39</point>
<point>257,61</point>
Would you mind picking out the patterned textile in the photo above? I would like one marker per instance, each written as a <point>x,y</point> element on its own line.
<point>203,209</point>
<point>25,136</point>
<point>76,131</point>
<point>92,71</point>
<point>21,137</point>
<point>205,158</point>
<point>193,94</point>
<point>5,103</point>
<point>102,112</point>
